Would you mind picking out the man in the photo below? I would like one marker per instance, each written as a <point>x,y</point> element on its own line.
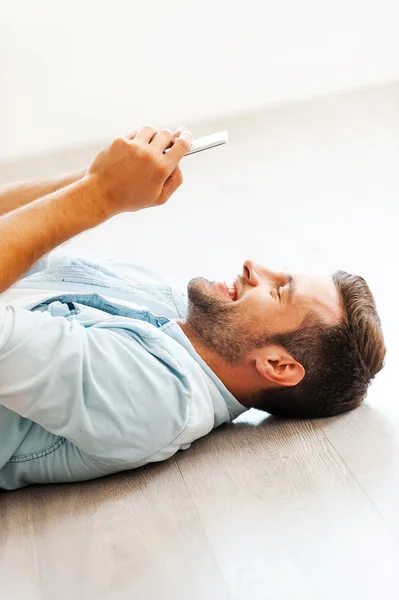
<point>106,367</point>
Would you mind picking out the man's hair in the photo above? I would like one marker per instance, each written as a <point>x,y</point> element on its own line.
<point>340,360</point>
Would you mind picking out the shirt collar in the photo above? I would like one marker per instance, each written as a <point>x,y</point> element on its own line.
<point>234,407</point>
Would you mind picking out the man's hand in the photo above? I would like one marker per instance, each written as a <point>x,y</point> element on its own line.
<point>134,173</point>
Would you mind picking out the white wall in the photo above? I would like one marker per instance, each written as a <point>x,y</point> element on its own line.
<point>83,70</point>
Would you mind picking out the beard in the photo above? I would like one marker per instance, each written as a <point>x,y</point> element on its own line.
<point>219,325</point>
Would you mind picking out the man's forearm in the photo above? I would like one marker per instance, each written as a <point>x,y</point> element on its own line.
<point>29,232</point>
<point>18,194</point>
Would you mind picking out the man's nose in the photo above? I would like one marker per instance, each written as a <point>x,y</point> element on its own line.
<point>254,273</point>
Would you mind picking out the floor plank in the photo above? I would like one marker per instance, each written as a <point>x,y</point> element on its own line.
<point>131,535</point>
<point>368,442</point>
<point>285,516</point>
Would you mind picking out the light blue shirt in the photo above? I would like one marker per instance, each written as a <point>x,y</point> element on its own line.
<point>88,386</point>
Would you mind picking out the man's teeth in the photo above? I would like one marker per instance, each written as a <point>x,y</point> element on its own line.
<point>231,289</point>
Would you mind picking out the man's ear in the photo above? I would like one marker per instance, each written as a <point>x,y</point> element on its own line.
<point>278,367</point>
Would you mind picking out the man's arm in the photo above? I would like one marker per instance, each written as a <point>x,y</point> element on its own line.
<point>29,232</point>
<point>15,195</point>
<point>131,174</point>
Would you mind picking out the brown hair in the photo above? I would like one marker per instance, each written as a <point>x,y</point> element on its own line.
<point>340,360</point>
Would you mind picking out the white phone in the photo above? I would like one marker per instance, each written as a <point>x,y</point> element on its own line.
<point>208,141</point>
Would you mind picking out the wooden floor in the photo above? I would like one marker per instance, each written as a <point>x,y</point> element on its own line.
<point>258,510</point>
<point>262,509</point>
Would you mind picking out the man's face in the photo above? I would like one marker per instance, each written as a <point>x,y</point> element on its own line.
<point>233,319</point>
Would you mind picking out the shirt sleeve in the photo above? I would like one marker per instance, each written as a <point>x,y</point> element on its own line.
<point>98,387</point>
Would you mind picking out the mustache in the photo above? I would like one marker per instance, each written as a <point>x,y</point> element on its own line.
<point>198,294</point>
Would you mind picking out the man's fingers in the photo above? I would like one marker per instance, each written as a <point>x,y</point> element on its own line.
<point>176,134</point>
<point>170,186</point>
<point>180,147</point>
<point>162,140</point>
<point>132,134</point>
<point>178,131</point>
<point>145,134</point>
<point>149,133</point>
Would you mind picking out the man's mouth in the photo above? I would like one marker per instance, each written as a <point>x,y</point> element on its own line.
<point>229,289</point>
